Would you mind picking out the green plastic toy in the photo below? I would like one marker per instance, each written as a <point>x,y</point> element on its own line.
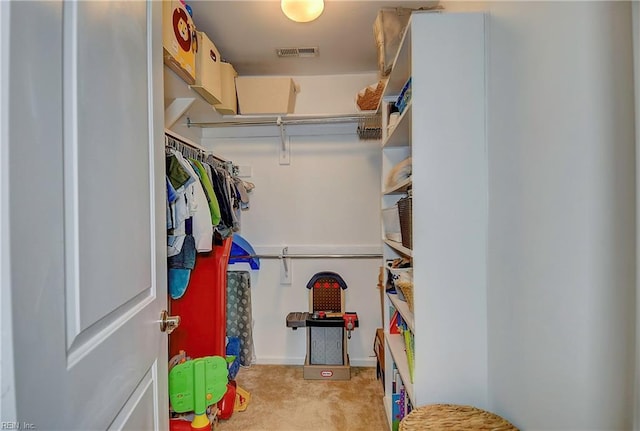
<point>196,384</point>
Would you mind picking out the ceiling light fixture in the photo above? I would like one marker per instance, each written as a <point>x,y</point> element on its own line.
<point>302,10</point>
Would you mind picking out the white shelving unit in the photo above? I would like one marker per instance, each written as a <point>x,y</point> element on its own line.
<point>443,130</point>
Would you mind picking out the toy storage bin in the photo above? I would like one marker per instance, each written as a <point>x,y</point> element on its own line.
<point>405,214</point>
<point>265,95</point>
<point>208,83</point>
<point>391,223</point>
<point>402,279</point>
<point>178,40</point>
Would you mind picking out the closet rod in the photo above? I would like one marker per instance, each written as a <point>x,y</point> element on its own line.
<point>193,145</point>
<point>184,140</point>
<point>309,256</point>
<point>283,121</point>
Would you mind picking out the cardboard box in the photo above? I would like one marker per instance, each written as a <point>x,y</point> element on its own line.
<point>265,95</point>
<point>179,40</point>
<point>208,82</point>
<point>229,102</point>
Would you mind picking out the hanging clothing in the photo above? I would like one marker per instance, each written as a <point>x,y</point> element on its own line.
<point>180,266</point>
<point>205,178</point>
<point>193,185</point>
<point>176,174</point>
<point>195,200</point>
<point>221,190</point>
<point>243,193</point>
<point>232,195</point>
<point>177,180</point>
<point>239,319</point>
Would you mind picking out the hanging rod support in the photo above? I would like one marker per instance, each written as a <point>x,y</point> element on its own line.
<point>285,149</point>
<point>284,257</point>
<point>282,132</point>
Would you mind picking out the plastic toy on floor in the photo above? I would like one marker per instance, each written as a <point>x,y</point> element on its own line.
<point>226,404</point>
<point>235,400</point>
<point>329,327</point>
<point>242,400</point>
<point>196,384</point>
<point>233,356</point>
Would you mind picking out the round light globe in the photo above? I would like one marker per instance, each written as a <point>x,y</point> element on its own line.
<point>302,10</point>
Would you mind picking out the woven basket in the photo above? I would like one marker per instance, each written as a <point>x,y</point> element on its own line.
<point>406,287</point>
<point>452,417</point>
<point>405,213</point>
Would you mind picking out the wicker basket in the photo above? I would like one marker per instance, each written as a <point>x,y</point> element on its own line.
<point>452,417</point>
<point>406,287</point>
<point>405,215</point>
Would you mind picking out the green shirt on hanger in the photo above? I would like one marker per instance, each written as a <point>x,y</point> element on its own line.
<point>214,206</point>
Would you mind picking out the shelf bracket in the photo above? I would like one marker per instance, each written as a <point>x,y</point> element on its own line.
<point>285,149</point>
<point>176,109</point>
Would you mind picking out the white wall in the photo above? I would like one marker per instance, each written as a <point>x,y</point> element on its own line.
<point>330,94</point>
<point>562,214</point>
<point>325,201</point>
<point>171,81</point>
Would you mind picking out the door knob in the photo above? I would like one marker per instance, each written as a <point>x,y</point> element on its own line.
<point>168,323</point>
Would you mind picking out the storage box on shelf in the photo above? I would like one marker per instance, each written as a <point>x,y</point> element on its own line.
<point>178,40</point>
<point>391,223</point>
<point>388,28</point>
<point>405,216</point>
<point>202,69</point>
<point>400,280</point>
<point>265,95</point>
<point>208,76</point>
<point>444,330</point>
<point>229,103</point>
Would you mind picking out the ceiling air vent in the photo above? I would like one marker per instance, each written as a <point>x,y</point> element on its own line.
<point>298,52</point>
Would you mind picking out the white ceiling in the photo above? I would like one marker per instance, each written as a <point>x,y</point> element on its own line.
<point>248,32</point>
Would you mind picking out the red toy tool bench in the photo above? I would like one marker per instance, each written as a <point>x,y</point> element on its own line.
<point>328,328</point>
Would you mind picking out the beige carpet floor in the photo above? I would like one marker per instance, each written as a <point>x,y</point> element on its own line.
<point>281,400</point>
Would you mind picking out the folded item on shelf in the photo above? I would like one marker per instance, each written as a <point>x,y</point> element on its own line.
<point>399,173</point>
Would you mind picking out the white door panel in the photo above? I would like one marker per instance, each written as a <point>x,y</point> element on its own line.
<point>86,197</point>
<point>137,414</point>
<point>108,186</point>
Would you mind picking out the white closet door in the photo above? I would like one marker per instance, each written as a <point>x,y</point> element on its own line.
<point>86,196</point>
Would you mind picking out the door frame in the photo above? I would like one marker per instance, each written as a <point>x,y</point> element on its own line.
<point>635,12</point>
<point>7,388</point>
